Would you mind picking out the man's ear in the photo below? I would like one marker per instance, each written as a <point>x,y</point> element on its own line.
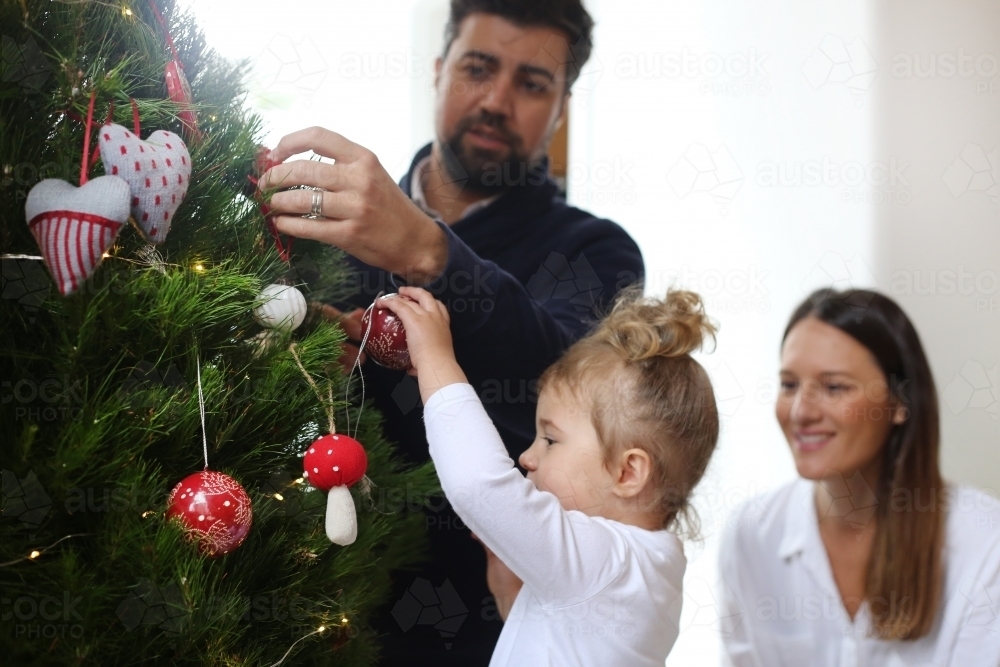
<point>632,473</point>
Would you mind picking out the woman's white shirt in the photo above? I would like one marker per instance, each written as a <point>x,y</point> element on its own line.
<point>782,606</point>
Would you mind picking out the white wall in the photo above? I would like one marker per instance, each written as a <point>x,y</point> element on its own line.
<point>939,254</point>
<point>689,127</point>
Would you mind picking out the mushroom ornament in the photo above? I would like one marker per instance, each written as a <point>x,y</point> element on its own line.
<point>333,463</point>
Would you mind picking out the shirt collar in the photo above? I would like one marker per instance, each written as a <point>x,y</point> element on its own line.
<point>800,520</point>
<point>418,197</point>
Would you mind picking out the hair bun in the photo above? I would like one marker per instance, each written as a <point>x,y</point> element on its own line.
<point>646,327</point>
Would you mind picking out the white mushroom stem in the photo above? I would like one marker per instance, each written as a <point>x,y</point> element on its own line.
<point>341,517</point>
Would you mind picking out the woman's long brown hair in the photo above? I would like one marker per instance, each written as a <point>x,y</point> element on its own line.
<point>904,579</point>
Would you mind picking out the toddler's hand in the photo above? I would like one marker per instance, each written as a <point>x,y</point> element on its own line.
<point>428,339</point>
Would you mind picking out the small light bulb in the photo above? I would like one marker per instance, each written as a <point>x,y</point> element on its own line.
<point>35,554</point>
<point>300,480</point>
<point>344,620</point>
<point>199,267</point>
<point>126,11</point>
<point>278,496</point>
<point>321,628</point>
<point>106,255</point>
<point>148,513</point>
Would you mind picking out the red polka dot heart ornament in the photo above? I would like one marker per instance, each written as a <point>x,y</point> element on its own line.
<point>157,170</point>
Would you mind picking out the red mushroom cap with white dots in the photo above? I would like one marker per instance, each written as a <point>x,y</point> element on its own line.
<point>334,460</point>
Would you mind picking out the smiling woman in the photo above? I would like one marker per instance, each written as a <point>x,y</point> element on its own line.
<point>871,557</point>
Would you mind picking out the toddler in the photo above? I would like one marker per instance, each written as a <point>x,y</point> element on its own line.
<point>626,423</point>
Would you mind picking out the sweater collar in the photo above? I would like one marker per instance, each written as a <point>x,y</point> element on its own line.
<point>507,217</point>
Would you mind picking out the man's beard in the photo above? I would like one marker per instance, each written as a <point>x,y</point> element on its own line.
<point>484,171</point>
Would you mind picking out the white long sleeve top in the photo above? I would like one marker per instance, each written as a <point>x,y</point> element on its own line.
<point>596,591</point>
<point>781,605</point>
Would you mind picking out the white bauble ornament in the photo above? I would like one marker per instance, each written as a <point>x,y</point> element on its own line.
<point>284,307</point>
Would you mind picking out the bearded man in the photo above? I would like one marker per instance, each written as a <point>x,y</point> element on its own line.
<point>478,221</point>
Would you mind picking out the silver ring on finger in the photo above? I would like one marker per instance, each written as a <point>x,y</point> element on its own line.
<point>316,210</point>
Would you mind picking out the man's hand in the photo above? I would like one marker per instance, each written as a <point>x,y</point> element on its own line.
<point>368,215</point>
<point>503,583</point>
<point>351,323</point>
<point>428,339</point>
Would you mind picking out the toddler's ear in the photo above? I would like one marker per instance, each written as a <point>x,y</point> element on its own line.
<point>635,467</point>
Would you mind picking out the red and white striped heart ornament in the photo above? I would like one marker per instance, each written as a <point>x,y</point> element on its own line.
<point>74,227</point>
<point>157,170</point>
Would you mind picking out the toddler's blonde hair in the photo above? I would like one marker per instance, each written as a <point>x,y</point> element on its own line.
<point>635,375</point>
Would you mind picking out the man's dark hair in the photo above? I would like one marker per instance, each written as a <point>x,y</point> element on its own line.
<point>569,16</point>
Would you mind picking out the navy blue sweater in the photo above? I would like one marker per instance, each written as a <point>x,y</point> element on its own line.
<point>524,278</point>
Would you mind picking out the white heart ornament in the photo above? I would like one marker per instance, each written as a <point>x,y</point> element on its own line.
<point>157,170</point>
<point>74,227</point>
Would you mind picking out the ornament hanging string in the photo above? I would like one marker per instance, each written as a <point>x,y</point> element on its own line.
<point>326,403</point>
<point>366,484</point>
<point>85,162</point>
<point>361,374</point>
<point>88,161</point>
<point>107,120</point>
<point>135,116</point>
<point>201,409</point>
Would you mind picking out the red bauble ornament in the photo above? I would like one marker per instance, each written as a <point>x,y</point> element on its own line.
<point>386,342</point>
<point>333,463</point>
<point>214,509</point>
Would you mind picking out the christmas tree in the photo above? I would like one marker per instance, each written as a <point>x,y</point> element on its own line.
<point>101,413</point>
